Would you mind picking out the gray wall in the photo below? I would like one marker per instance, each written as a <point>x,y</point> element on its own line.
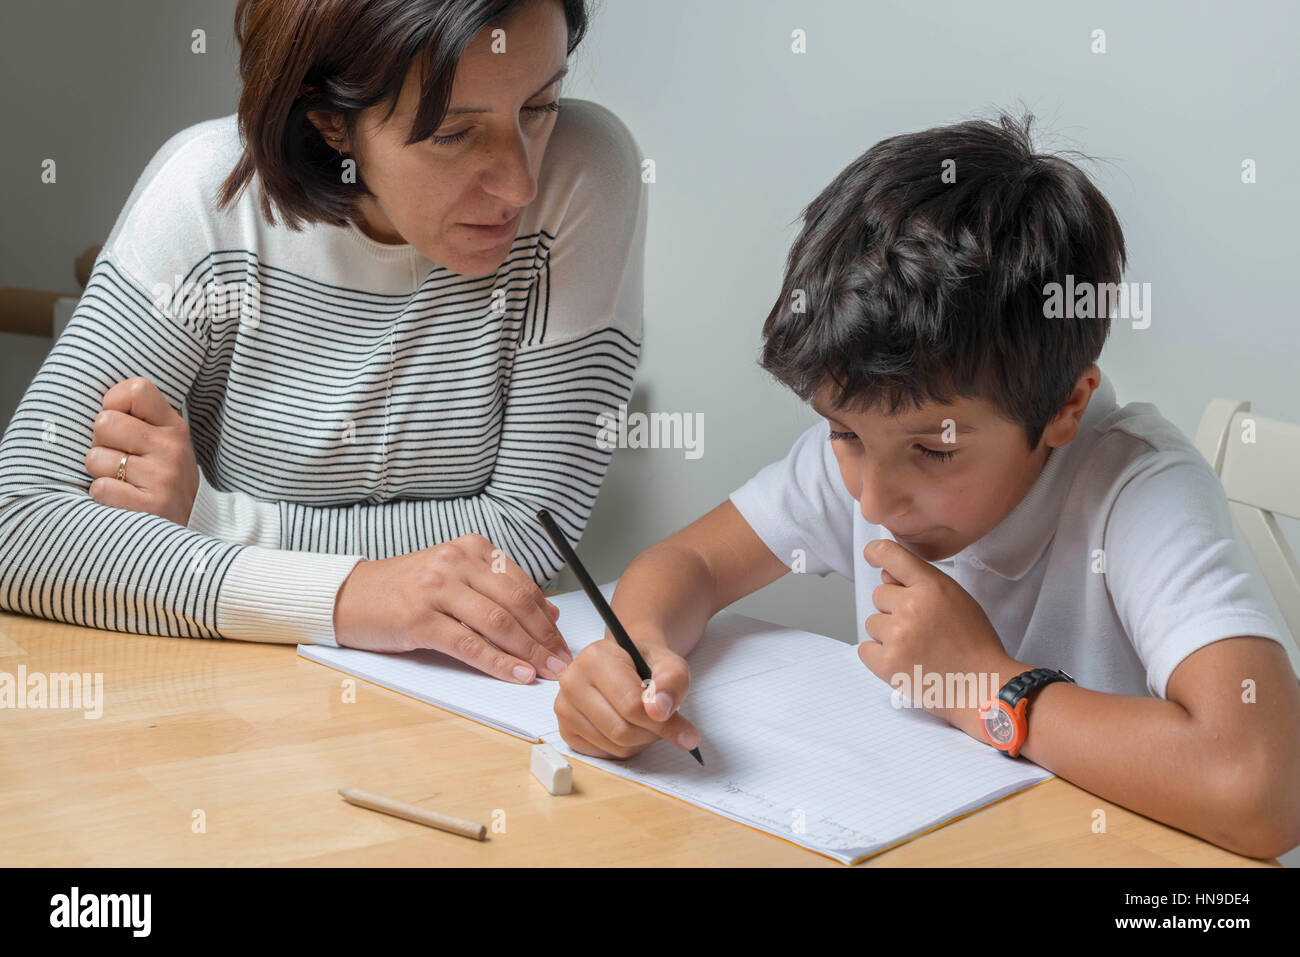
<point>97,87</point>
<point>744,133</point>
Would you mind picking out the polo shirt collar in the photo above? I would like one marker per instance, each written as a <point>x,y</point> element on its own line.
<point>1012,546</point>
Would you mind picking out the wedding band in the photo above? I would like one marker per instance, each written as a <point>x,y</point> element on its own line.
<point>121,468</point>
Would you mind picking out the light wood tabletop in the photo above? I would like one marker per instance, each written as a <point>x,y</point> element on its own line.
<point>213,753</point>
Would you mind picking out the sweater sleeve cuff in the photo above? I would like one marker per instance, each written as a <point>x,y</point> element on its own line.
<point>285,597</point>
<point>234,517</point>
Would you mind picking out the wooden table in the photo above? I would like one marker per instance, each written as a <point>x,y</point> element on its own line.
<point>232,753</point>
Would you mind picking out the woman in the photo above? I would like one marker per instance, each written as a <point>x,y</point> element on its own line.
<point>383,387</point>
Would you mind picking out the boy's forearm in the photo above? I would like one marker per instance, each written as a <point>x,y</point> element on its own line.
<point>665,595</point>
<point>1174,769</point>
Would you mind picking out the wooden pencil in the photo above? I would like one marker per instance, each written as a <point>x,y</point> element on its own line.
<point>411,812</point>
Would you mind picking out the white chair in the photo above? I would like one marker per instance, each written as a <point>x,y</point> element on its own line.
<point>1258,462</point>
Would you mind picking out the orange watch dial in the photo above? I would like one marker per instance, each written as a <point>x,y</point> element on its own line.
<point>1005,727</point>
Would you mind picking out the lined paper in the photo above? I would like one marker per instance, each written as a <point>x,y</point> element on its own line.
<point>799,739</point>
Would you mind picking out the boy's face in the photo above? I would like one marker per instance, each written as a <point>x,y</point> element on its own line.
<point>940,477</point>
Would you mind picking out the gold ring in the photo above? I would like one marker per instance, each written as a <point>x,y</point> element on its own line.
<point>121,468</point>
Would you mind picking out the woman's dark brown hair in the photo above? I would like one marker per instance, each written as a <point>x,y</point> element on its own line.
<point>342,56</point>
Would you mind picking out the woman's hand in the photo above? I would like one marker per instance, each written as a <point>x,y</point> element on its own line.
<point>604,711</point>
<point>162,477</point>
<point>464,598</point>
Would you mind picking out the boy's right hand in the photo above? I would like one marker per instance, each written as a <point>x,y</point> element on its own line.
<point>604,711</point>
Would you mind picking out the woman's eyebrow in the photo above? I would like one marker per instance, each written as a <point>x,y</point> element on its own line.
<point>479,109</point>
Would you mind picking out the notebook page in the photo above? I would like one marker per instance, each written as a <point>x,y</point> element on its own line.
<point>799,738</point>
<point>527,711</point>
<point>817,754</point>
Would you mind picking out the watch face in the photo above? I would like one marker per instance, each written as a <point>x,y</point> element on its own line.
<point>998,726</point>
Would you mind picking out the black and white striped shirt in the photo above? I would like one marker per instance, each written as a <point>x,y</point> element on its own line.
<point>347,399</point>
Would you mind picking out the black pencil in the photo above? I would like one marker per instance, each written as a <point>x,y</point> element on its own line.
<point>597,599</point>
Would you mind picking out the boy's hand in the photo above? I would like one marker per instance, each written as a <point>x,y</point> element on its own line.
<point>926,618</point>
<point>604,711</point>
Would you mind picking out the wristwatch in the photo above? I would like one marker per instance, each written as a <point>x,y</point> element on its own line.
<point>1004,719</point>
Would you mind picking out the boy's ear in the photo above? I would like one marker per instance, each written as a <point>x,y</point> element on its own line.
<point>1065,426</point>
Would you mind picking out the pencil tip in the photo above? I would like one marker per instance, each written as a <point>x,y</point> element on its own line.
<point>695,753</point>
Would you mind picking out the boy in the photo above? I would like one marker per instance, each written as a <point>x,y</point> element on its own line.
<point>996,509</point>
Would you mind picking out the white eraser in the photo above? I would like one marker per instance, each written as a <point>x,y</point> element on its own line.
<point>551,769</point>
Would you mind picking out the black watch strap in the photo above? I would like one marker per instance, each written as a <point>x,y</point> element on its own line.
<point>1027,681</point>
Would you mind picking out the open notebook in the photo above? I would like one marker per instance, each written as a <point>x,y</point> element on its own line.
<point>799,739</point>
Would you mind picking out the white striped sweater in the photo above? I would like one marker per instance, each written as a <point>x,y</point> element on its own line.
<point>367,403</point>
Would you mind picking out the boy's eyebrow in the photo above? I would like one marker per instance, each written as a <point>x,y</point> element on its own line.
<point>479,109</point>
<point>824,415</point>
<point>924,430</point>
<point>940,430</point>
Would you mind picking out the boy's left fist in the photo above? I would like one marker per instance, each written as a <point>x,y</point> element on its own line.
<point>924,617</point>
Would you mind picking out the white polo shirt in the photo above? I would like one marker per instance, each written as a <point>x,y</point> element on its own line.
<point>1117,564</point>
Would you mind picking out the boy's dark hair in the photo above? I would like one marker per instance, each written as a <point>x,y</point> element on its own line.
<point>342,57</point>
<point>914,289</point>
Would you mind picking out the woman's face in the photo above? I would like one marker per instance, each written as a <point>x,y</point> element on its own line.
<point>457,196</point>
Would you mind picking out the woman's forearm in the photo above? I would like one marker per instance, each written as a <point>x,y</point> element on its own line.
<point>235,516</point>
